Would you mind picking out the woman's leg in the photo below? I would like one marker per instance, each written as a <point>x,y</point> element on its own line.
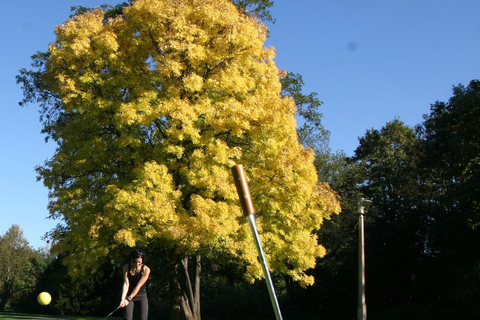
<point>142,303</point>
<point>128,311</point>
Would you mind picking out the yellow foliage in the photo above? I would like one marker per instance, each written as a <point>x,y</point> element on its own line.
<point>157,105</point>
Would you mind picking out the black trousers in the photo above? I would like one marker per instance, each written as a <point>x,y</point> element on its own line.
<point>140,301</point>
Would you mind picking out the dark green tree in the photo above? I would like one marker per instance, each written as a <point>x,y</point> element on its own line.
<point>396,232</point>
<point>258,8</point>
<point>451,162</point>
<point>452,149</point>
<point>336,274</point>
<point>383,169</point>
<point>311,132</point>
<point>17,274</point>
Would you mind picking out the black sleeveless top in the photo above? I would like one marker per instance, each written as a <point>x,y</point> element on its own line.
<point>133,281</point>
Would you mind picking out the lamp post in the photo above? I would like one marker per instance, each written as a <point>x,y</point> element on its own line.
<point>362,306</point>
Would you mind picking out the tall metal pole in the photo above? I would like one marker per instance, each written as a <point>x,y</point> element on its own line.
<point>266,272</point>
<point>247,206</point>
<point>362,306</point>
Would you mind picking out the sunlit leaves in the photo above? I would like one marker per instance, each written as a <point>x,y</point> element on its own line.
<point>157,103</point>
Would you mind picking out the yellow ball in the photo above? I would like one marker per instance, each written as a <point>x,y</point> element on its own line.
<point>44,298</point>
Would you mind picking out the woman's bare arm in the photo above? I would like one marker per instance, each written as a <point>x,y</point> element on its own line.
<point>126,285</point>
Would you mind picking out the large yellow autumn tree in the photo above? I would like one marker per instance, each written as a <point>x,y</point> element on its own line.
<point>150,109</point>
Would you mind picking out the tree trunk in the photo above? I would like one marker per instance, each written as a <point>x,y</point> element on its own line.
<point>186,293</point>
<point>6,294</point>
<point>3,303</point>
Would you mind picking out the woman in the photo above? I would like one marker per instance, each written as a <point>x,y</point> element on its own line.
<point>134,293</point>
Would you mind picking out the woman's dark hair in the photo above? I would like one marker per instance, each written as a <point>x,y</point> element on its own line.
<point>137,254</point>
<point>134,255</point>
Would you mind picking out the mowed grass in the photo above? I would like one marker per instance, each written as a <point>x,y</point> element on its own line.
<point>31,316</point>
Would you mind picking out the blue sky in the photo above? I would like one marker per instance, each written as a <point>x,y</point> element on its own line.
<point>369,61</point>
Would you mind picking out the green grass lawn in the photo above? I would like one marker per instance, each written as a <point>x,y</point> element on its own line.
<point>31,316</point>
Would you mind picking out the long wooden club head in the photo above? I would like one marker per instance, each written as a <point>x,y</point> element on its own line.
<point>242,189</point>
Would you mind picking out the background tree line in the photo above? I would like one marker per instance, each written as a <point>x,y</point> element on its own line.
<point>422,234</point>
<point>422,237</point>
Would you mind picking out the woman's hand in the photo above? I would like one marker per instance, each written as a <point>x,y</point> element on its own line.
<point>124,303</point>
